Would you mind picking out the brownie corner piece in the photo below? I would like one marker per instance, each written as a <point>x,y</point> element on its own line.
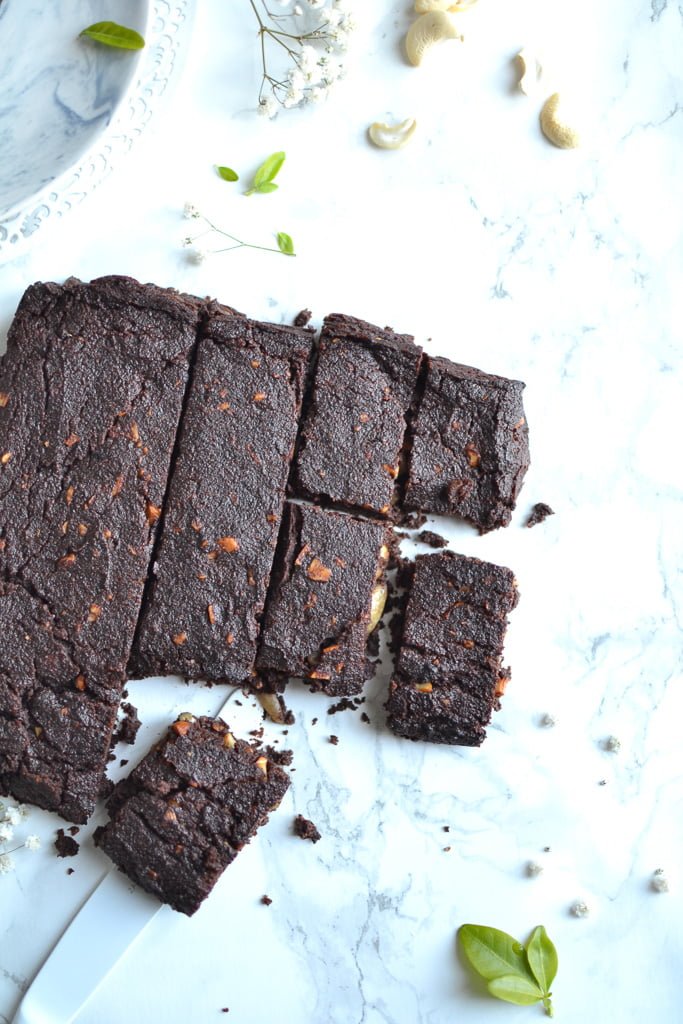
<point>182,816</point>
<point>352,437</point>
<point>326,598</point>
<point>449,675</point>
<point>470,445</point>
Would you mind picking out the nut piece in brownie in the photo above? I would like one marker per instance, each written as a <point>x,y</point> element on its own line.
<point>187,810</point>
<point>204,602</point>
<point>91,390</point>
<point>470,448</point>
<point>353,431</point>
<point>327,595</point>
<point>448,674</point>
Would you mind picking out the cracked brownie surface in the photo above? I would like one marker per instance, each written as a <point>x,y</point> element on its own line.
<point>353,431</point>
<point>449,673</point>
<point>318,615</point>
<point>91,388</point>
<point>470,445</point>
<point>188,808</point>
<point>202,612</point>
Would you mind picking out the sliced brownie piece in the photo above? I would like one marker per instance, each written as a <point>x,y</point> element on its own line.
<point>352,436</point>
<point>448,672</point>
<point>327,584</point>
<point>221,519</point>
<point>470,445</point>
<point>91,389</point>
<point>187,810</point>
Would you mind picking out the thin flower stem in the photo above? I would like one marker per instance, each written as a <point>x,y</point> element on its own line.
<point>239,244</point>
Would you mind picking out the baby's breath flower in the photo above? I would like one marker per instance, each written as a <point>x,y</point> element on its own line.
<point>268,107</point>
<point>580,909</point>
<point>13,815</point>
<point>6,831</point>
<point>32,842</point>
<point>533,869</point>
<point>6,863</point>
<point>659,881</point>
<point>196,255</point>
<point>190,212</point>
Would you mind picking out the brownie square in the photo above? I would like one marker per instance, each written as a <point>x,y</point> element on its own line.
<point>189,807</point>
<point>203,606</point>
<point>352,435</point>
<point>328,582</point>
<point>91,389</point>
<point>470,446</point>
<point>448,675</point>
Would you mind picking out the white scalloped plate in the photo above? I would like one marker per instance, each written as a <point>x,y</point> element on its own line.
<point>70,109</point>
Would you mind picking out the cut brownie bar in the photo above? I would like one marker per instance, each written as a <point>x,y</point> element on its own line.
<point>470,447</point>
<point>221,519</point>
<point>448,672</point>
<point>352,436</point>
<point>327,594</point>
<point>91,389</point>
<point>187,810</point>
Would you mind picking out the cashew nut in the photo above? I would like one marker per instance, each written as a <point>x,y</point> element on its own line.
<point>425,6</point>
<point>377,603</point>
<point>531,72</point>
<point>392,136</point>
<point>555,127</point>
<point>426,30</point>
<point>270,702</point>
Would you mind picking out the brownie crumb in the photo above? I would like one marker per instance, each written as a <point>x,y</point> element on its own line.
<point>364,717</point>
<point>342,705</point>
<point>284,757</point>
<point>266,901</point>
<point>334,740</point>
<point>314,721</point>
<point>225,1009</point>
<point>305,829</point>
<point>432,539</point>
<point>73,830</point>
<point>447,849</point>
<point>302,318</point>
<point>69,871</point>
<point>128,726</point>
<point>65,845</point>
<point>123,762</point>
<point>414,520</point>
<point>538,513</point>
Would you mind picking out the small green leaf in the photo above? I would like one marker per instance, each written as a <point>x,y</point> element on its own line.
<point>542,957</point>
<point>268,186</point>
<point>110,34</point>
<point>492,953</point>
<point>515,989</point>
<point>285,243</point>
<point>269,169</point>
<point>227,173</point>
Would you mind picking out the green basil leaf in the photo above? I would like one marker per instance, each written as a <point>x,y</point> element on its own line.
<point>515,989</point>
<point>268,186</point>
<point>110,34</point>
<point>269,169</point>
<point>492,953</point>
<point>227,173</point>
<point>542,957</point>
<point>285,243</point>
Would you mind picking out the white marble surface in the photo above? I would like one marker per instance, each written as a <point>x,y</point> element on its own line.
<point>563,269</point>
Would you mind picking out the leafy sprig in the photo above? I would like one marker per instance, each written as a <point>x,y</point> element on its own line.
<point>515,973</point>
<point>196,253</point>
<point>264,178</point>
<point>110,34</point>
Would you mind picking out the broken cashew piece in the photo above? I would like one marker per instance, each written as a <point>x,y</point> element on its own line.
<point>270,702</point>
<point>531,72</point>
<point>392,136</point>
<point>377,603</point>
<point>426,30</point>
<point>554,126</point>
<point>425,6</point>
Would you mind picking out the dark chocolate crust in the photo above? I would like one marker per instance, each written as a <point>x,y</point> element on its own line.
<point>448,672</point>
<point>470,447</point>
<point>203,607</point>
<point>316,621</point>
<point>187,810</point>
<point>352,436</point>
<point>91,388</point>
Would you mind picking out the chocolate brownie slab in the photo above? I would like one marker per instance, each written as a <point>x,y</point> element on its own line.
<point>326,595</point>
<point>187,810</point>
<point>222,515</point>
<point>448,672</point>
<point>470,446</point>
<point>352,436</point>
<point>91,389</point>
